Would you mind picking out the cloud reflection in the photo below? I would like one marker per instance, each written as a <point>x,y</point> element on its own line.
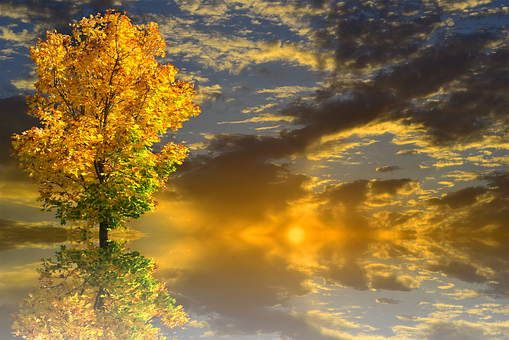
<point>246,266</point>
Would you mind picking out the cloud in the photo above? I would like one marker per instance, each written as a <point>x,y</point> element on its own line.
<point>387,168</point>
<point>349,275</point>
<point>447,330</point>
<point>25,84</point>
<point>35,13</point>
<point>206,42</point>
<point>393,282</point>
<point>460,270</point>
<point>451,5</point>
<point>405,74</point>
<point>393,187</point>
<point>459,199</point>
<point>486,12</point>
<point>16,37</point>
<point>395,93</point>
<point>409,90</point>
<point>286,91</point>
<point>233,184</point>
<point>274,250</point>
<point>387,301</point>
<point>208,94</point>
<point>263,118</point>
<point>349,194</point>
<point>362,43</point>
<point>359,192</point>
<point>14,234</point>
<point>14,120</point>
<point>216,9</point>
<point>52,14</point>
<point>460,175</point>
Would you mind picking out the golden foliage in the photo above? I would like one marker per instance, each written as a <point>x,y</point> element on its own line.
<point>103,100</point>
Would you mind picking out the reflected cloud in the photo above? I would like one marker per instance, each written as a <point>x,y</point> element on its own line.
<point>449,329</point>
<point>387,168</point>
<point>14,234</point>
<point>247,268</point>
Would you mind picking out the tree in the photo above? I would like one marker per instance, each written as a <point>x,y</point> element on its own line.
<point>104,102</point>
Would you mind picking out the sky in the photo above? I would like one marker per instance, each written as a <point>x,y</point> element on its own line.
<point>348,176</point>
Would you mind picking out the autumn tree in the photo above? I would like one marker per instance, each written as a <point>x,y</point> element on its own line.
<point>104,102</point>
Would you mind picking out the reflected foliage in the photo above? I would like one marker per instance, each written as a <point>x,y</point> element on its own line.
<point>95,293</point>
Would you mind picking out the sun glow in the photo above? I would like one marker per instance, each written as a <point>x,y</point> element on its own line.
<point>296,235</point>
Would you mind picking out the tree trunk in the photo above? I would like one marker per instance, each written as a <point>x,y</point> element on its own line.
<point>103,235</point>
<point>103,243</point>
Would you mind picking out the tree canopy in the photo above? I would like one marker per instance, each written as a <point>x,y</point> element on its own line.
<point>103,100</point>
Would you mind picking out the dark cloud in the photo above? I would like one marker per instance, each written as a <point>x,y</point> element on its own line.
<point>242,88</point>
<point>387,168</point>
<point>14,234</point>
<point>451,330</point>
<point>387,301</point>
<point>459,199</point>
<point>259,148</point>
<point>460,270</point>
<point>233,184</point>
<point>98,5</point>
<point>351,274</point>
<point>470,108</point>
<point>375,33</point>
<point>490,213</point>
<point>389,282</point>
<point>349,194</point>
<point>499,182</point>
<point>391,186</point>
<point>13,119</point>
<point>392,250</point>
<point>268,73</point>
<point>465,66</point>
<point>481,234</point>
<point>356,193</point>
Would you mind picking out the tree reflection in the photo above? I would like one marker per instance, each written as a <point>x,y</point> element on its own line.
<point>91,292</point>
